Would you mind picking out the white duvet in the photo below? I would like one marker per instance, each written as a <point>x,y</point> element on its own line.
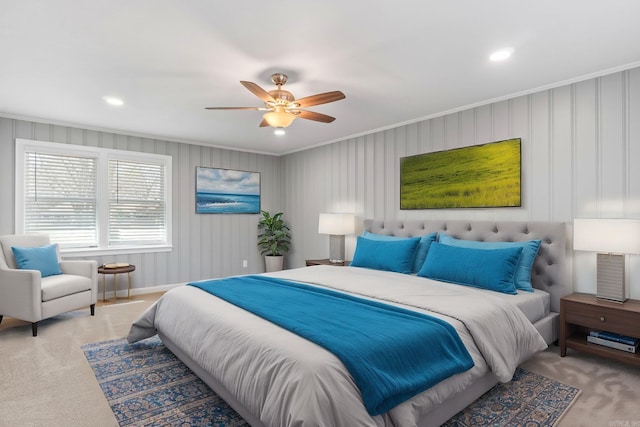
<point>286,380</point>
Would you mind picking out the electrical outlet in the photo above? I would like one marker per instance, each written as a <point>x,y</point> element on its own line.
<point>244,263</point>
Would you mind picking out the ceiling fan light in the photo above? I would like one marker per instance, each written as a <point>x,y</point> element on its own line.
<point>279,119</point>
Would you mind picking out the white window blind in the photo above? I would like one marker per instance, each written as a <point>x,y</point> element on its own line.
<point>91,200</point>
<point>136,203</point>
<point>60,198</point>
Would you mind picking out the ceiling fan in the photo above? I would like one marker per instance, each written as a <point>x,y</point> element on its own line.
<point>282,107</point>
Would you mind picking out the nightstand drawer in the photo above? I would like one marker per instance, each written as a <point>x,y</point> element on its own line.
<point>608,319</point>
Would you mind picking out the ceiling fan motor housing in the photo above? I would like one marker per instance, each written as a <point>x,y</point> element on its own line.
<point>282,96</point>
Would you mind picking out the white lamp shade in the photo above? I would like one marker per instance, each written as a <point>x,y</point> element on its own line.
<point>336,224</point>
<point>620,236</point>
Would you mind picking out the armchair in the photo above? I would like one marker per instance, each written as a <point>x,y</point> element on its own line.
<point>26,295</point>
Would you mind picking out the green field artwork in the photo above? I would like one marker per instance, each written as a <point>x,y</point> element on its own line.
<point>480,176</point>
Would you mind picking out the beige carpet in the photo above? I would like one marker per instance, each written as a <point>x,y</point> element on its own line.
<point>46,381</point>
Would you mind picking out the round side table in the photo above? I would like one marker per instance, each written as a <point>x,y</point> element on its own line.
<point>115,271</point>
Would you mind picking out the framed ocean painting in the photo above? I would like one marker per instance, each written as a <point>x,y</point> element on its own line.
<point>479,176</point>
<point>227,191</point>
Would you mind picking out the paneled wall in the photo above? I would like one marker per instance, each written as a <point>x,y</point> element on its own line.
<point>580,151</point>
<point>204,246</point>
<point>581,145</point>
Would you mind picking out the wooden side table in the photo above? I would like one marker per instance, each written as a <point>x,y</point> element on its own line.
<point>115,271</point>
<point>581,313</point>
<point>326,261</point>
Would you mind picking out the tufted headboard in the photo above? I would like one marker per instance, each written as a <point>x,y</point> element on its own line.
<point>550,270</point>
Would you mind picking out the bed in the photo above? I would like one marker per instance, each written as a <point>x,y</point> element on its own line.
<point>273,377</point>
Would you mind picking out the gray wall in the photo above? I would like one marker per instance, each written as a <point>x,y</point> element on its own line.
<point>580,151</point>
<point>204,246</point>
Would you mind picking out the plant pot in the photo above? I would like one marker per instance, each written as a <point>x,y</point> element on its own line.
<point>273,263</point>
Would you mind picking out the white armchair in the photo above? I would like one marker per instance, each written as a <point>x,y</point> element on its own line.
<point>26,295</point>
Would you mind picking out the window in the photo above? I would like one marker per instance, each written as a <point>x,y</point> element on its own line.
<point>92,200</point>
<point>60,198</point>
<point>136,203</point>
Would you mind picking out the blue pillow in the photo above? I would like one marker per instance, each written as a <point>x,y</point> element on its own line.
<point>42,258</point>
<point>491,269</point>
<point>387,255</point>
<point>421,251</point>
<point>522,278</point>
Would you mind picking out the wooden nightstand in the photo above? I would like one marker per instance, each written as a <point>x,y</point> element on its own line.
<point>311,262</point>
<point>581,313</point>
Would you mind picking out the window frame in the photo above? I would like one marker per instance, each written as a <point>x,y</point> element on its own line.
<point>103,156</point>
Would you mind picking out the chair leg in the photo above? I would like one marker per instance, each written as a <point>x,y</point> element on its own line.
<point>93,309</point>
<point>34,329</point>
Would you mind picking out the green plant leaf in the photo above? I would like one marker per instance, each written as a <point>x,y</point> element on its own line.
<point>274,236</point>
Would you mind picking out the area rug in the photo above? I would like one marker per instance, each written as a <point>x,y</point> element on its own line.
<point>529,400</point>
<point>145,384</point>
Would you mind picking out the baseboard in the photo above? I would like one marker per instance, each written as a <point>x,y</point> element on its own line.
<point>122,293</point>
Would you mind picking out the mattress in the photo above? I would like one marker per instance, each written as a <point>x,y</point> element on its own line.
<point>535,305</point>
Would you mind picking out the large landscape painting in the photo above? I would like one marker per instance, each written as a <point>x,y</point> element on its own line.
<point>480,176</point>
<point>227,191</point>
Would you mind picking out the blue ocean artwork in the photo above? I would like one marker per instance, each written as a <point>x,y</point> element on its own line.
<point>227,191</point>
<point>227,203</point>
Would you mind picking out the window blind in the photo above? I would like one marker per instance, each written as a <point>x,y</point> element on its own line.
<point>60,198</point>
<point>137,205</point>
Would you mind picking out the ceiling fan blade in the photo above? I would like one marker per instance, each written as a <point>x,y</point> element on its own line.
<point>318,117</point>
<point>321,98</point>
<point>263,123</point>
<point>235,108</point>
<point>258,91</point>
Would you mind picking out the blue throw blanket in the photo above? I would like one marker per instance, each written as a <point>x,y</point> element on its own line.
<point>391,353</point>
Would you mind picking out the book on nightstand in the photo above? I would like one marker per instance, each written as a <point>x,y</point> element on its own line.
<point>117,265</point>
<point>610,336</point>
<point>612,344</point>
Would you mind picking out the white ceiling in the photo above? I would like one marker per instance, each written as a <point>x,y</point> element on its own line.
<point>396,61</point>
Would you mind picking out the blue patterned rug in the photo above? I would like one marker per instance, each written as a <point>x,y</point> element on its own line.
<point>146,385</point>
<point>529,400</point>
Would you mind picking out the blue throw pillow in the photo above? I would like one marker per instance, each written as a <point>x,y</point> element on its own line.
<point>491,269</point>
<point>522,278</point>
<point>387,255</point>
<point>421,251</point>
<point>42,258</point>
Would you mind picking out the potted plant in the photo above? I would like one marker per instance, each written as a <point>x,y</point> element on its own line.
<point>274,239</point>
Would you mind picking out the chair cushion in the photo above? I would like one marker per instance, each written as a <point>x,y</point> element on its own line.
<point>41,258</point>
<point>61,285</point>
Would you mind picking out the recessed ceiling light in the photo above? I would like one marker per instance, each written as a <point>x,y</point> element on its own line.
<point>279,132</point>
<point>113,101</point>
<point>501,55</point>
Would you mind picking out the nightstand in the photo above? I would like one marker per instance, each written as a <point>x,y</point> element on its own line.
<point>581,313</point>
<point>311,262</point>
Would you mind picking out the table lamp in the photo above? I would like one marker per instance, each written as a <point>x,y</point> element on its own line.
<point>336,225</point>
<point>612,239</point>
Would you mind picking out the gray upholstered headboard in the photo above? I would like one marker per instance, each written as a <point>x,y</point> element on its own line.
<point>550,270</point>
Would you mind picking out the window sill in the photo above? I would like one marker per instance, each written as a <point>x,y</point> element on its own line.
<point>124,250</point>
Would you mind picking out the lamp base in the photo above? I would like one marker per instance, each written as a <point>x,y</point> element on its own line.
<point>336,249</point>
<point>611,278</point>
